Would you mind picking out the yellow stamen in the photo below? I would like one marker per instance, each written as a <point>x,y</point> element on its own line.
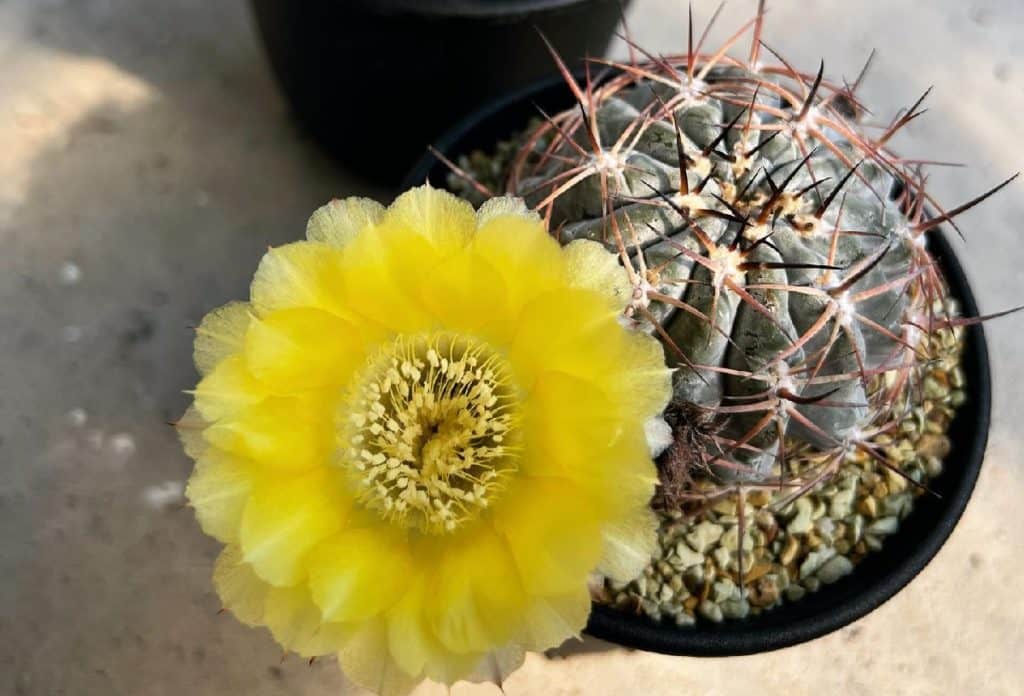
<point>431,431</point>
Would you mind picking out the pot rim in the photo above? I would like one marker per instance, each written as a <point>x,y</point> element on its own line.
<point>881,574</point>
<point>478,9</point>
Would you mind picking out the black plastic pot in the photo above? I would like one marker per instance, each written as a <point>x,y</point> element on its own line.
<point>376,80</point>
<point>881,574</point>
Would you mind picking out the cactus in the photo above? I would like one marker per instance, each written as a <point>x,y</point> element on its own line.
<point>777,250</point>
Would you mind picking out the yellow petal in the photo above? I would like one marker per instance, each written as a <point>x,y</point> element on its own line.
<point>630,543</point>
<point>190,432</point>
<point>644,384</point>
<point>240,590</point>
<point>439,216</point>
<point>477,600</point>
<point>573,428</point>
<point>218,489</point>
<point>554,550</point>
<point>287,432</point>
<point>295,622</point>
<point>298,349</point>
<point>226,390</point>
<point>413,644</point>
<point>339,221</point>
<point>301,274</point>
<point>286,518</point>
<point>382,272</point>
<point>416,650</point>
<point>569,330</point>
<point>523,255</point>
<point>497,665</point>
<point>365,659</point>
<point>359,573</point>
<point>220,333</point>
<point>466,294</point>
<point>568,420</point>
<point>551,620</point>
<point>591,266</point>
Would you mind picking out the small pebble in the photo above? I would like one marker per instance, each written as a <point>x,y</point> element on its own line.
<point>834,568</point>
<point>789,553</point>
<point>704,535</point>
<point>825,527</point>
<point>710,611</point>
<point>855,529</point>
<point>842,503</point>
<point>723,590</point>
<point>868,507</point>
<point>684,619</point>
<point>801,524</point>
<point>896,504</point>
<point>687,556</point>
<point>814,560</point>
<point>730,540</point>
<point>766,591</point>
<point>736,609</point>
<point>795,593</point>
<point>884,526</point>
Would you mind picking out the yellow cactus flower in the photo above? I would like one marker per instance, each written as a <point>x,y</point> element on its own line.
<point>421,435</point>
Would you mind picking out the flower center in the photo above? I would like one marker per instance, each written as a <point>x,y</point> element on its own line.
<point>430,431</point>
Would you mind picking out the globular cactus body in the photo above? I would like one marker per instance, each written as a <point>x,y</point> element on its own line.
<point>777,250</point>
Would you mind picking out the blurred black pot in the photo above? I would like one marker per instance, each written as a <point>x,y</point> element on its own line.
<point>376,80</point>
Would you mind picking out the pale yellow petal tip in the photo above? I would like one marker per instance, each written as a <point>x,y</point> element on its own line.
<point>658,434</point>
<point>190,429</point>
<point>498,665</point>
<point>504,206</point>
<point>438,215</point>
<point>629,546</point>
<point>220,333</point>
<point>340,220</point>
<point>590,265</point>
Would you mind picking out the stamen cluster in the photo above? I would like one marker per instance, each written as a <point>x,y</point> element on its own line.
<point>430,431</point>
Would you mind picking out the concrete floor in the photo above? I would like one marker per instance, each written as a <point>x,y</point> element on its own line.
<point>147,160</point>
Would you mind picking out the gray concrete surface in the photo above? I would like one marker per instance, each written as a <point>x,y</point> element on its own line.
<point>146,160</point>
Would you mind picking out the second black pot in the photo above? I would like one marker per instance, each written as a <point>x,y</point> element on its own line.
<point>376,80</point>
<point>882,573</point>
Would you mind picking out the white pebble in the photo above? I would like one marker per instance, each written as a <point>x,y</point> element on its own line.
<point>164,494</point>
<point>77,417</point>
<point>72,334</point>
<point>70,273</point>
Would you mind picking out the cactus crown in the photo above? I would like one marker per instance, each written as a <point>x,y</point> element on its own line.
<point>777,249</point>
